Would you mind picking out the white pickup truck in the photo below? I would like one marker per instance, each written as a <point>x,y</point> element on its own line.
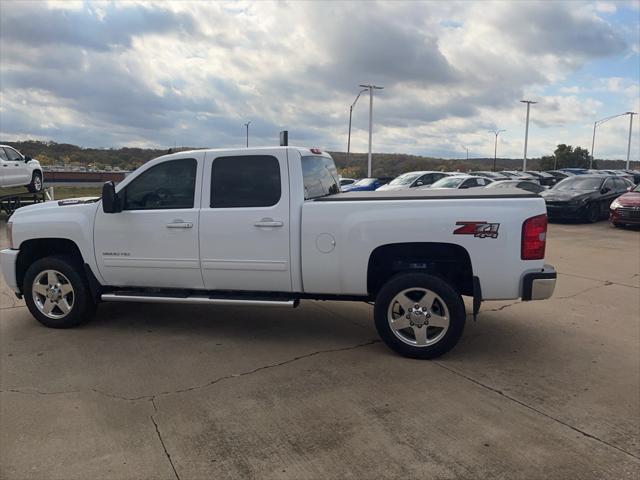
<point>17,170</point>
<point>269,227</point>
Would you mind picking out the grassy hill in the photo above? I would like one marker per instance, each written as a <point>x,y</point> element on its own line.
<point>384,164</point>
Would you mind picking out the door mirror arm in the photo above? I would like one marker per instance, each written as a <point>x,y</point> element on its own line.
<point>111,201</point>
<point>27,159</point>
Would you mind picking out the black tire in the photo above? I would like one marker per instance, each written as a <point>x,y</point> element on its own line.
<point>36,182</point>
<point>83,306</point>
<point>441,288</point>
<point>593,212</point>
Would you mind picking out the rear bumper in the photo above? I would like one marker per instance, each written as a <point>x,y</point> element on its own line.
<point>539,285</point>
<point>8,260</point>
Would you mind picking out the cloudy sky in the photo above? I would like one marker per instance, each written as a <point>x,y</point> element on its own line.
<point>108,74</point>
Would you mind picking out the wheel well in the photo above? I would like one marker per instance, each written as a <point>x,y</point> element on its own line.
<point>448,261</point>
<point>33,250</point>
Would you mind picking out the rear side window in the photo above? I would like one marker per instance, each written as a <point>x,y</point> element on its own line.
<point>12,155</point>
<point>168,185</point>
<point>3,156</point>
<point>620,184</point>
<point>320,177</point>
<point>245,181</point>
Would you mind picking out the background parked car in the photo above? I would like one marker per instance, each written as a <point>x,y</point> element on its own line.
<point>347,181</point>
<point>367,184</point>
<point>460,181</point>
<point>545,178</point>
<point>625,210</point>
<point>16,170</point>
<point>413,180</point>
<point>490,175</point>
<point>516,175</point>
<point>583,197</point>
<point>522,184</point>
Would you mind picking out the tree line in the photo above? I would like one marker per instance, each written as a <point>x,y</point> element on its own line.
<point>355,165</point>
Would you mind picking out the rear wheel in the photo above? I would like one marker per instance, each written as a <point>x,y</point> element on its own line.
<point>36,183</point>
<point>419,315</point>
<point>57,293</point>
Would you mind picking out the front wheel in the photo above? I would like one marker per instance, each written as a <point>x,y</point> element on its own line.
<point>593,212</point>
<point>57,293</point>
<point>419,315</point>
<point>36,183</point>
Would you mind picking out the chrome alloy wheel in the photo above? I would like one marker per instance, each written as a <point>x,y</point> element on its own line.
<point>418,317</point>
<point>37,183</point>
<point>53,294</point>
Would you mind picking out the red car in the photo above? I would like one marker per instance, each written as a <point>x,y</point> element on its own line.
<point>625,210</point>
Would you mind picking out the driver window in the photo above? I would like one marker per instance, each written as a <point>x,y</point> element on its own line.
<point>168,185</point>
<point>12,155</point>
<point>608,184</point>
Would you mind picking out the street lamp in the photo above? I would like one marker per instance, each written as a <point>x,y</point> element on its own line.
<point>467,149</point>
<point>247,125</point>
<point>526,133</point>
<point>631,114</point>
<point>350,114</point>
<point>371,88</point>
<point>600,122</point>
<point>495,147</point>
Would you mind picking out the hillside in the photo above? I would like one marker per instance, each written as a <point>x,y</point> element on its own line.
<point>384,164</point>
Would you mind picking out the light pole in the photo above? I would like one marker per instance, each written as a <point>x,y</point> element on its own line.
<point>370,88</point>
<point>526,133</point>
<point>600,122</point>
<point>350,114</point>
<point>631,114</point>
<point>495,146</point>
<point>247,125</point>
<point>467,149</point>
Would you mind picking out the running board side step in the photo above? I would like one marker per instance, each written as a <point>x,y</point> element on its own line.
<point>201,300</point>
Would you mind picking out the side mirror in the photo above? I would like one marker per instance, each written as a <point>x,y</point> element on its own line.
<point>419,183</point>
<point>604,190</point>
<point>110,201</point>
<point>27,158</point>
<point>630,188</point>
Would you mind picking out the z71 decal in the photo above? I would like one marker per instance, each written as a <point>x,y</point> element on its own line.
<point>478,229</point>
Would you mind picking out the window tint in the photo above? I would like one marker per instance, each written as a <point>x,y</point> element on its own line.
<point>3,156</point>
<point>12,155</point>
<point>245,181</point>
<point>608,184</point>
<point>319,175</point>
<point>170,184</point>
<point>620,184</point>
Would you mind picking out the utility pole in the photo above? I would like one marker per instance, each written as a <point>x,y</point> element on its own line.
<point>247,125</point>
<point>350,115</point>
<point>526,134</point>
<point>371,88</point>
<point>600,122</point>
<point>495,146</point>
<point>631,114</point>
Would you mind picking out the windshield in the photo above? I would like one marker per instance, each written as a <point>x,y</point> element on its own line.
<point>448,182</point>
<point>405,178</point>
<point>499,184</point>
<point>365,182</point>
<point>579,183</point>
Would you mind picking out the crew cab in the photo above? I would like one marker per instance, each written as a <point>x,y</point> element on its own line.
<point>268,227</point>
<point>17,170</point>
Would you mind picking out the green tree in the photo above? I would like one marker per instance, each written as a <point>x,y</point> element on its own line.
<point>565,156</point>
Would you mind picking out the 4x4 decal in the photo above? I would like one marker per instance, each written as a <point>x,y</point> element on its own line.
<point>478,229</point>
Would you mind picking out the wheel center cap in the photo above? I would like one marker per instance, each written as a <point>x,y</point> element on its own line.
<point>419,318</point>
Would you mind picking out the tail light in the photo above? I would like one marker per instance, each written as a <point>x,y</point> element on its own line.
<point>534,238</point>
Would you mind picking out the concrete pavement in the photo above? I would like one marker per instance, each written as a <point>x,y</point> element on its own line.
<point>534,390</point>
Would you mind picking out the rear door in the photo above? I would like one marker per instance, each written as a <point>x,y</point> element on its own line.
<point>244,221</point>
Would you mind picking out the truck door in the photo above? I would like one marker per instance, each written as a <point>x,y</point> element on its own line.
<point>244,221</point>
<point>153,241</point>
<point>15,169</point>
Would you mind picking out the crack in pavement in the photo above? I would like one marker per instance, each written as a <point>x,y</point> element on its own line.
<point>500,308</point>
<point>609,282</point>
<point>534,409</point>
<point>152,397</point>
<point>606,284</point>
<point>164,447</point>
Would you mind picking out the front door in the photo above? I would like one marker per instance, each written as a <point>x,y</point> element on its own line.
<point>14,169</point>
<point>153,242</point>
<point>244,222</point>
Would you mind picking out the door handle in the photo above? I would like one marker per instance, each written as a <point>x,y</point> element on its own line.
<point>268,223</point>
<point>180,224</point>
